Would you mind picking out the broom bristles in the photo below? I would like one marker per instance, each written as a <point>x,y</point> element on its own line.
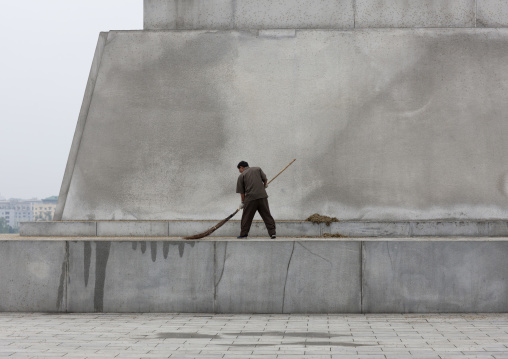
<point>213,229</point>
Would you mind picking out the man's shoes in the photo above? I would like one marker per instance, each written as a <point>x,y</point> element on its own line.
<point>273,236</point>
<point>241,237</point>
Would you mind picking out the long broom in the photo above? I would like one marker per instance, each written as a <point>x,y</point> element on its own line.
<point>221,223</point>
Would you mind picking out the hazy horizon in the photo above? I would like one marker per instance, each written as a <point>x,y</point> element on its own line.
<point>48,48</point>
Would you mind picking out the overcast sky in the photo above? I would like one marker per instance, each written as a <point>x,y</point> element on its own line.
<point>46,53</point>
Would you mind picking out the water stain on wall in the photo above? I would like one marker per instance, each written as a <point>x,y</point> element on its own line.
<point>102,251</point>
<point>62,288</point>
<point>101,261</point>
<point>165,248</point>
<point>87,254</point>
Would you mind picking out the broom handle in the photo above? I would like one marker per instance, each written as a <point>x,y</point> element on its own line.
<point>290,163</point>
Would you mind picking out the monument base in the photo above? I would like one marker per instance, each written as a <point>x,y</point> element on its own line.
<point>226,275</point>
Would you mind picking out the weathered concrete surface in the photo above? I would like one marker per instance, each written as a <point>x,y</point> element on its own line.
<point>492,13</point>
<point>415,13</point>
<point>247,14</point>
<point>368,229</point>
<point>386,229</point>
<point>323,277</point>
<point>446,277</point>
<point>327,14</point>
<point>132,228</point>
<point>252,283</point>
<point>385,124</point>
<point>32,276</point>
<point>256,276</point>
<point>158,276</point>
<point>58,229</point>
<point>452,228</point>
<point>287,277</point>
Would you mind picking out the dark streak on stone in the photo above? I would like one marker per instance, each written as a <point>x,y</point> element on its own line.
<point>222,271</point>
<point>87,254</point>
<point>134,245</point>
<point>181,248</point>
<point>320,335</point>
<point>307,344</point>
<point>253,345</point>
<point>165,250</point>
<point>101,261</point>
<point>286,281</point>
<point>330,344</point>
<point>143,247</point>
<point>62,289</point>
<point>153,249</point>
<point>178,335</point>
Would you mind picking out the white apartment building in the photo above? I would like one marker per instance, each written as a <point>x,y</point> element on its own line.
<point>15,211</point>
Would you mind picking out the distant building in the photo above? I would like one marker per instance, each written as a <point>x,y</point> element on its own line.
<point>18,210</point>
<point>15,211</point>
<point>44,210</point>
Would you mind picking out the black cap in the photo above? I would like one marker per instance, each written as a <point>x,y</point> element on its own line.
<point>242,164</point>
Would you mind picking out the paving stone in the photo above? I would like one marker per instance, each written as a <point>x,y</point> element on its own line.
<point>252,336</point>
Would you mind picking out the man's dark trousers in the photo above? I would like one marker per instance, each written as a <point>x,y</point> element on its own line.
<point>260,205</point>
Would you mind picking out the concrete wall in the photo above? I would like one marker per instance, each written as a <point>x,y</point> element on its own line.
<point>33,276</point>
<point>303,276</point>
<point>323,14</point>
<point>385,124</point>
<point>288,277</point>
<point>415,13</point>
<point>142,276</point>
<point>492,13</point>
<point>257,14</point>
<point>441,277</point>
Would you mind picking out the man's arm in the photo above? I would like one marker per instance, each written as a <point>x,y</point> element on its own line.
<point>240,189</point>
<point>263,178</point>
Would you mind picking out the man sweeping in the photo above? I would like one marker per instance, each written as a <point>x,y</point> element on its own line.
<point>251,185</point>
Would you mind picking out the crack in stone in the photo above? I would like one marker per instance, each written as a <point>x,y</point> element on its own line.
<point>389,255</point>
<point>317,255</point>
<point>286,281</point>
<point>223,266</point>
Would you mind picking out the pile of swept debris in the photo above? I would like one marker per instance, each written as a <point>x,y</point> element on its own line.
<point>317,218</point>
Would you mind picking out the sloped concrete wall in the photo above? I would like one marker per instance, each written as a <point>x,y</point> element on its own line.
<point>385,124</point>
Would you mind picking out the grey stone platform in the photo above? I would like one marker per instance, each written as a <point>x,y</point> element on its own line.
<point>381,229</point>
<point>282,336</point>
<point>226,275</point>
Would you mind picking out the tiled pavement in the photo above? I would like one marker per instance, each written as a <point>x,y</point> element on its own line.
<point>32,335</point>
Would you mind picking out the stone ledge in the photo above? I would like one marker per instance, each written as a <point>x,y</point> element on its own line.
<point>290,229</point>
<point>19,238</point>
